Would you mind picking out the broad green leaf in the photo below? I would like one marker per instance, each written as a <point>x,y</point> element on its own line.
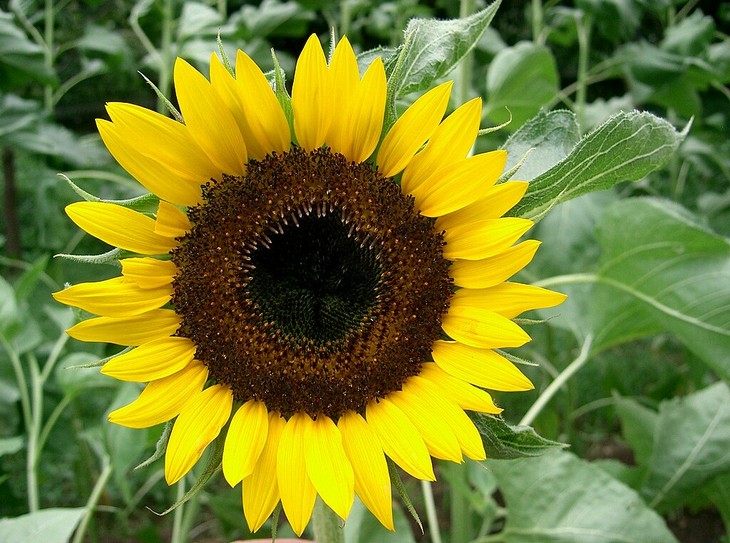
<point>691,36</point>
<point>638,424</point>
<point>614,19</point>
<point>503,441</point>
<point>197,19</point>
<point>691,446</point>
<point>73,377</point>
<point>558,498</point>
<point>273,17</point>
<point>520,81</point>
<point>431,48</point>
<point>8,309</point>
<point>625,148</point>
<point>546,139</point>
<point>47,525</point>
<point>662,270</point>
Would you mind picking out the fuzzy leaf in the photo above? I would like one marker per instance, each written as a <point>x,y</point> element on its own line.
<point>625,148</point>
<point>502,441</point>
<point>48,525</point>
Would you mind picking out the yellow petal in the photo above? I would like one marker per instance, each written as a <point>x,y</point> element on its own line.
<point>159,177</point>
<point>150,361</point>
<point>171,221</point>
<point>400,438</point>
<point>482,328</point>
<point>120,226</point>
<point>209,121</point>
<point>148,272</point>
<point>265,119</point>
<point>509,299</point>
<point>459,184</point>
<point>245,441</point>
<point>128,331</point>
<point>493,204</point>
<point>261,488</point>
<point>465,395</point>
<point>450,142</point>
<point>481,367</point>
<point>164,140</point>
<point>366,116</point>
<point>437,435</point>
<point>495,269</point>
<point>327,465</point>
<point>453,416</point>
<point>114,297</point>
<point>199,423</point>
<point>372,480</point>
<point>483,238</point>
<point>162,399</point>
<point>311,96</point>
<point>412,129</point>
<point>344,80</point>
<point>296,489</point>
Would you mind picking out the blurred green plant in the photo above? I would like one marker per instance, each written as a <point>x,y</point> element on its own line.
<point>633,371</point>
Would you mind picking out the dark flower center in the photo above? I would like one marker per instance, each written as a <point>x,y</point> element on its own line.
<point>310,284</point>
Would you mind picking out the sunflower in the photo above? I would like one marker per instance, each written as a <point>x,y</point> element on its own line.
<point>318,293</point>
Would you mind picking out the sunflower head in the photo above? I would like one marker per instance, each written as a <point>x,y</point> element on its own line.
<point>320,294</point>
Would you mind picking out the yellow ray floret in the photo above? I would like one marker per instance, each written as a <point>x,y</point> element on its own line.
<point>154,360</point>
<point>465,395</point>
<point>482,367</point>
<point>261,488</point>
<point>120,226</point>
<point>484,238</point>
<point>114,297</point>
<point>508,299</point>
<point>148,273</point>
<point>493,270</point>
<point>372,480</point>
<point>245,440</point>
<point>162,399</point>
<point>171,221</point>
<point>310,95</point>
<point>127,331</point>
<point>327,465</point>
<point>199,423</point>
<point>400,439</point>
<point>297,491</point>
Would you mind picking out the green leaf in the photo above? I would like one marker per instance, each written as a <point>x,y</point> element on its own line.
<point>196,20</point>
<point>691,446</point>
<point>662,270</point>
<point>20,58</point>
<point>8,309</point>
<point>559,498</point>
<point>548,138</point>
<point>432,48</point>
<point>638,424</point>
<point>625,148</point>
<point>47,525</point>
<point>363,527</point>
<point>520,81</point>
<point>10,445</point>
<point>502,441</point>
<point>73,378</point>
<point>691,36</point>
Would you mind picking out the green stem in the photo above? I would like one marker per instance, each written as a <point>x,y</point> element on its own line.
<point>48,56</point>
<point>36,390</point>
<point>461,530</point>
<point>466,68</point>
<point>431,516</point>
<point>327,526</point>
<point>583,24</point>
<point>165,84</point>
<point>345,16</point>
<point>93,499</point>
<point>537,19</point>
<point>177,519</point>
<point>553,387</point>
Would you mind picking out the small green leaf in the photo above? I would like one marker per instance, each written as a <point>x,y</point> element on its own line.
<point>10,445</point>
<point>691,446</point>
<point>432,48</point>
<point>74,379</point>
<point>502,441</point>
<point>548,138</point>
<point>691,36</point>
<point>562,499</point>
<point>520,81</point>
<point>402,492</point>
<point>54,525</point>
<point>20,58</point>
<point>625,148</point>
<point>718,491</point>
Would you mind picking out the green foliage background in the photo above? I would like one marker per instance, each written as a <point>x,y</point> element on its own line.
<point>634,214</point>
